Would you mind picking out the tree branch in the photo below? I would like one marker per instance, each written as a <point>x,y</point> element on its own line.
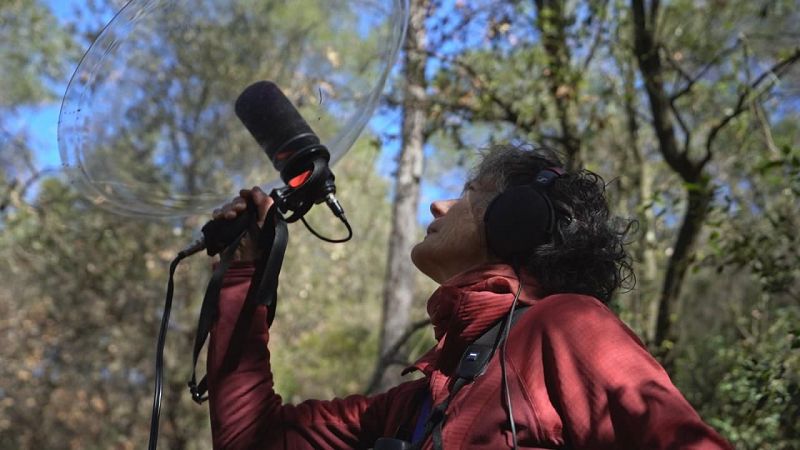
<point>595,41</point>
<point>478,83</point>
<point>691,80</point>
<point>687,134</point>
<point>389,357</point>
<point>750,93</point>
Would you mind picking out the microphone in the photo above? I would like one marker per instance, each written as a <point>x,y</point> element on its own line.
<point>294,150</point>
<point>280,130</point>
<point>292,146</point>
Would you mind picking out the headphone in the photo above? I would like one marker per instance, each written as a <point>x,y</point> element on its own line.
<point>521,218</point>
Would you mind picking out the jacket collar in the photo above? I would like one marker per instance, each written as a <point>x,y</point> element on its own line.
<point>467,305</point>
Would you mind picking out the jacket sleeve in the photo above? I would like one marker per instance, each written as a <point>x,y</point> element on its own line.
<point>609,391</point>
<point>246,413</point>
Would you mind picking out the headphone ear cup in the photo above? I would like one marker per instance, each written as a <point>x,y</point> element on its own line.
<point>517,221</point>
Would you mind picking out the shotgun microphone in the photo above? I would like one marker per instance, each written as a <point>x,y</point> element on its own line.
<point>282,133</point>
<point>294,150</point>
<point>292,146</point>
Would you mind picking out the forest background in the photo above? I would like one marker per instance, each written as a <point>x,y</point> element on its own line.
<point>688,109</point>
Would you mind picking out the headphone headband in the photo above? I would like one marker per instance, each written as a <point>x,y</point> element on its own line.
<point>547,176</point>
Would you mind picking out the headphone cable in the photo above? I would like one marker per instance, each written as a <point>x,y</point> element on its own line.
<point>503,351</point>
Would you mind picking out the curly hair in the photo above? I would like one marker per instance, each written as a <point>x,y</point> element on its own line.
<point>586,254</point>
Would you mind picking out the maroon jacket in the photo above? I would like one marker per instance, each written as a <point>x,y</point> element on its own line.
<point>578,377</point>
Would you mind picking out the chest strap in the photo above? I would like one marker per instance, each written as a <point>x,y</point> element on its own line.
<point>473,364</point>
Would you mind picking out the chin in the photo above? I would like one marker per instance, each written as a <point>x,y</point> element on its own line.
<point>417,254</point>
<point>421,257</point>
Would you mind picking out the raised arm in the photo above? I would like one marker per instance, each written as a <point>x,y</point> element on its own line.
<point>246,413</point>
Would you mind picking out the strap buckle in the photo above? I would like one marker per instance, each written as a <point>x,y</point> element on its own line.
<point>197,395</point>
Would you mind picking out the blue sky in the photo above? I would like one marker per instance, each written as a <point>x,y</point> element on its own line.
<point>42,120</point>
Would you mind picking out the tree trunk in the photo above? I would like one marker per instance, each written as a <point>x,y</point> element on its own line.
<point>647,252</point>
<point>697,208</point>
<point>561,79</point>
<point>399,283</point>
<point>642,174</point>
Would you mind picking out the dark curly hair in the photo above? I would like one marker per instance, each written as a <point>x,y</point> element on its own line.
<point>587,252</point>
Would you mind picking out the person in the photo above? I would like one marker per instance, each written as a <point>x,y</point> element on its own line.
<point>575,375</point>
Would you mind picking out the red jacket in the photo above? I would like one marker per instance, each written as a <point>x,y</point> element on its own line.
<point>578,377</point>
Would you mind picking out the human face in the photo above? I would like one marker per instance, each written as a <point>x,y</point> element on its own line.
<point>455,240</point>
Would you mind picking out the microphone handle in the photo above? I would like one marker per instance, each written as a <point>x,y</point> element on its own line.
<point>218,234</point>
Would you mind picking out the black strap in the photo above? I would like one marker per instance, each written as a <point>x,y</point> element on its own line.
<point>263,286</point>
<point>263,291</point>
<point>207,314</point>
<point>473,364</point>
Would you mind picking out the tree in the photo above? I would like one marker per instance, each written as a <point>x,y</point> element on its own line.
<point>34,49</point>
<point>398,288</point>
<point>692,170</point>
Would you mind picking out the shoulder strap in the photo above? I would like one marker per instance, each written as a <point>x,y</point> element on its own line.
<point>473,364</point>
<point>476,357</point>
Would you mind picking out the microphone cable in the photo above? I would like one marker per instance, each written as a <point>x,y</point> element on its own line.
<point>162,337</point>
<point>158,387</point>
<point>326,239</point>
<point>338,211</point>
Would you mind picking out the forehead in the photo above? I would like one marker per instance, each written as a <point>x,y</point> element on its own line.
<point>483,183</point>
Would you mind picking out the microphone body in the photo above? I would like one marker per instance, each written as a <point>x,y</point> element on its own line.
<point>280,130</point>
<point>292,146</point>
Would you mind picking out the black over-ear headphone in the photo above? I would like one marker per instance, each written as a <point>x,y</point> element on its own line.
<point>522,218</point>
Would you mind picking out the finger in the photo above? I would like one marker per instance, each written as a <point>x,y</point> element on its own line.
<point>263,203</point>
<point>232,209</point>
<point>239,204</point>
<point>229,211</point>
<point>263,197</point>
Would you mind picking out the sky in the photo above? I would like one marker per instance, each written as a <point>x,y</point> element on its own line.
<point>42,120</point>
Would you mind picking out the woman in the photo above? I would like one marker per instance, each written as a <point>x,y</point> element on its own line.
<point>569,375</point>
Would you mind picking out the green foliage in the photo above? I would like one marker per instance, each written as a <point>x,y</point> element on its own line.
<point>757,402</point>
<point>32,49</point>
<point>80,312</point>
<point>749,388</point>
<point>745,378</point>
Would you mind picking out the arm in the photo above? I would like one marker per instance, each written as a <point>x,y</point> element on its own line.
<point>245,411</point>
<point>609,391</point>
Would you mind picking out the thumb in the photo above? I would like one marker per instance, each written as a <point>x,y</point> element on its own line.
<point>263,203</point>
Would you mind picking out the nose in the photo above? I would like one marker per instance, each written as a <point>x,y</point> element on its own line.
<point>440,207</point>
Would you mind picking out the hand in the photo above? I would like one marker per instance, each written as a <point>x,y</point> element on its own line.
<point>248,250</point>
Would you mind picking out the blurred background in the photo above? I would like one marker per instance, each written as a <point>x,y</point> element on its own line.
<point>689,110</point>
